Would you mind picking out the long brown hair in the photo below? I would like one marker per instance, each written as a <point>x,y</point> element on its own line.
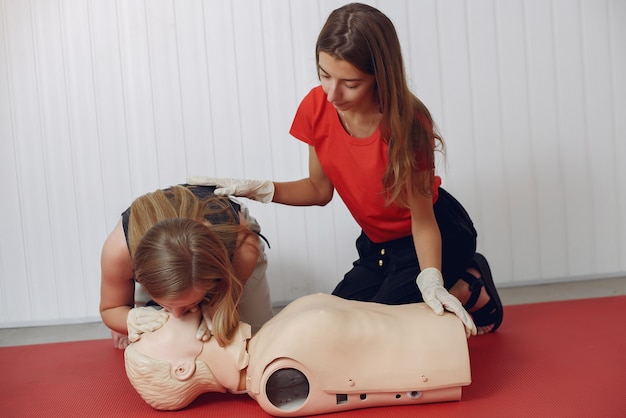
<point>180,254</point>
<point>173,250</point>
<point>366,38</point>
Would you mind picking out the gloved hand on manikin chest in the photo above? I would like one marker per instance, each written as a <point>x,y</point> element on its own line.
<point>430,284</point>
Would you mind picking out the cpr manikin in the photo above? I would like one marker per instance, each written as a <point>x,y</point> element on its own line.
<point>320,354</point>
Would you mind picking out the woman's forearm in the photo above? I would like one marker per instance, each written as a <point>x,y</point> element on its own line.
<point>115,318</point>
<point>302,192</point>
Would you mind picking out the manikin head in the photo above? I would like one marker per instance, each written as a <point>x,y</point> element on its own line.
<point>170,367</point>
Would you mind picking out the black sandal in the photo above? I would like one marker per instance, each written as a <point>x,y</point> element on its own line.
<point>492,312</point>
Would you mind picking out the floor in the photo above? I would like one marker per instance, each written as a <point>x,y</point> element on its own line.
<point>509,296</point>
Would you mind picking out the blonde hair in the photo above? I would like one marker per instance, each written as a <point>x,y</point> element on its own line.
<point>173,251</point>
<point>366,38</point>
<point>181,202</point>
<point>153,380</point>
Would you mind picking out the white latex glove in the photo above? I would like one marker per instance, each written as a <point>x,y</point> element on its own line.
<point>430,283</point>
<point>205,330</point>
<point>144,319</point>
<point>259,190</point>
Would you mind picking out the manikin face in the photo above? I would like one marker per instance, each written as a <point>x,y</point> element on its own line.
<point>347,87</point>
<point>187,302</point>
<point>176,343</point>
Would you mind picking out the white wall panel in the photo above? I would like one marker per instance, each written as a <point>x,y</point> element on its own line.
<point>32,171</point>
<point>493,215</point>
<point>422,54</point>
<point>162,32</point>
<point>225,133</point>
<point>102,101</point>
<point>617,64</point>
<point>138,104</point>
<point>544,140</point>
<point>519,165</point>
<point>65,276</point>
<point>15,305</point>
<point>82,197</point>
<point>599,133</point>
<point>572,128</point>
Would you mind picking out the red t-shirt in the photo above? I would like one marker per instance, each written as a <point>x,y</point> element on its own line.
<point>355,167</point>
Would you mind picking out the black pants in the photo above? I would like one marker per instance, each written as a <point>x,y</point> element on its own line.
<point>386,272</point>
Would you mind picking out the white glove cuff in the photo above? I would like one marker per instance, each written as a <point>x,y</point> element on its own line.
<point>428,277</point>
<point>265,192</point>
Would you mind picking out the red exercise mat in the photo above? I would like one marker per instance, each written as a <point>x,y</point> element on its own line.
<point>555,359</point>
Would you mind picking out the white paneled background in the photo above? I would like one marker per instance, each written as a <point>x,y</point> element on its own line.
<point>104,100</point>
